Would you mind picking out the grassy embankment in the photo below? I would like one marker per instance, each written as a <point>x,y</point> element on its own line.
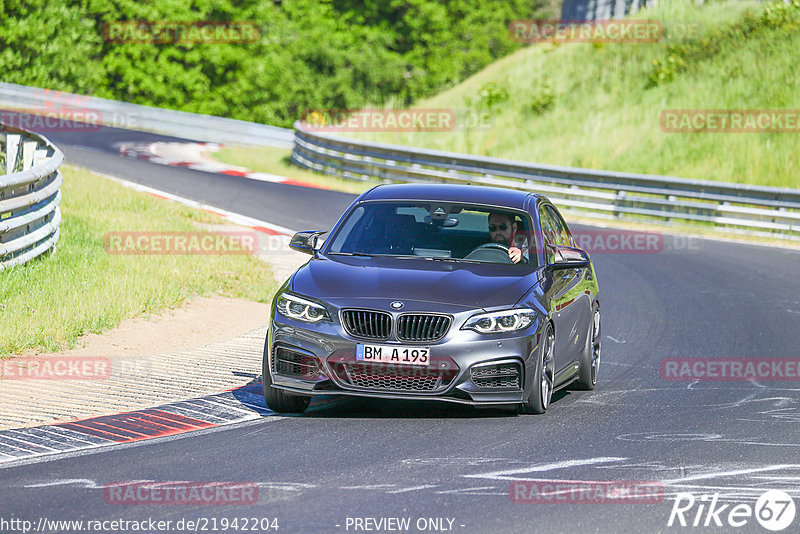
<point>51,301</point>
<point>598,105</point>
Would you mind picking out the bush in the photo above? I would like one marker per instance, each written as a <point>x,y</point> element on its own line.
<point>689,52</point>
<point>544,98</point>
<point>491,95</point>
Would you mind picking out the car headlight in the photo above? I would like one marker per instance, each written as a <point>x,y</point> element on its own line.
<point>501,321</point>
<point>300,309</point>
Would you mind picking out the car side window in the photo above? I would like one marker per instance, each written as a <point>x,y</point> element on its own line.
<point>564,237</point>
<point>550,231</point>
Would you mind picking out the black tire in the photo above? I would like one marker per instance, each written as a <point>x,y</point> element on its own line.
<point>278,400</point>
<point>541,392</point>
<point>590,358</point>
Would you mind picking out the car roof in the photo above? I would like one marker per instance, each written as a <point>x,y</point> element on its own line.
<point>475,194</point>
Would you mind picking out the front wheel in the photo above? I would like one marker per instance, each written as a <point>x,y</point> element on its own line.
<point>277,400</point>
<point>542,388</point>
<point>590,359</point>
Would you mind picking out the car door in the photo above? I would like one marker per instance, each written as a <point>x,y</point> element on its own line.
<point>567,300</point>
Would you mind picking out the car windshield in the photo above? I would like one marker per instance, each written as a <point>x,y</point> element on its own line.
<point>435,230</point>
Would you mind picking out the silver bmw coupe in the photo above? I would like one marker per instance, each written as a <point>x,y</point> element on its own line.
<point>457,293</point>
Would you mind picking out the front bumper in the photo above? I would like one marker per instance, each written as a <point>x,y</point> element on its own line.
<point>465,367</point>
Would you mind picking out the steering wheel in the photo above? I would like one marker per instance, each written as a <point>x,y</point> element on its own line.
<point>490,252</point>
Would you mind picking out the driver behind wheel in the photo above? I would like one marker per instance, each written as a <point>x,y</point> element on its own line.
<point>503,230</point>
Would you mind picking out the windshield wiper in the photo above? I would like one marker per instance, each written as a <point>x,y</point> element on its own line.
<point>350,254</point>
<point>439,258</point>
<point>415,257</point>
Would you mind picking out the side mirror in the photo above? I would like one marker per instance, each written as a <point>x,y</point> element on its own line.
<point>306,241</point>
<point>563,257</point>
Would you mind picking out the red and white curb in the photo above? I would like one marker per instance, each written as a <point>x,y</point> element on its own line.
<point>239,405</point>
<point>195,156</point>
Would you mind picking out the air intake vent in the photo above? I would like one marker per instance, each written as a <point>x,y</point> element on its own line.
<point>422,327</point>
<point>387,377</point>
<point>288,362</point>
<point>367,324</point>
<point>504,375</point>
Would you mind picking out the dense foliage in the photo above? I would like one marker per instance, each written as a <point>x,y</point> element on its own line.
<point>687,53</point>
<point>311,53</point>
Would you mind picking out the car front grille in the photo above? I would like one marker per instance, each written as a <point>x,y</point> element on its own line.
<point>289,362</point>
<point>504,375</point>
<point>367,324</point>
<point>384,377</point>
<point>422,327</point>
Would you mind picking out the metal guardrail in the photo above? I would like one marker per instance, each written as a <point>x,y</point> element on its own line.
<point>29,197</point>
<point>755,210</point>
<point>135,117</point>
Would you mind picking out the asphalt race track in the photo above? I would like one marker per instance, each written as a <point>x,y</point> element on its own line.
<point>263,200</point>
<point>348,459</point>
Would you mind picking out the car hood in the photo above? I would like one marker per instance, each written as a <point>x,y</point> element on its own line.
<point>468,285</point>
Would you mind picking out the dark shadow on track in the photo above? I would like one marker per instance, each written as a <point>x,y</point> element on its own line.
<point>346,407</point>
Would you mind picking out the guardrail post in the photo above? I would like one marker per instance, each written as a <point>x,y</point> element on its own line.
<point>671,199</point>
<point>28,150</point>
<point>12,148</point>
<point>621,196</point>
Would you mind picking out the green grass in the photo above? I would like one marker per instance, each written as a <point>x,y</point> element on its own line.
<point>276,161</point>
<point>51,301</point>
<point>594,105</point>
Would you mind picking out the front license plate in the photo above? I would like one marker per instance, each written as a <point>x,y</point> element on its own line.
<point>393,354</point>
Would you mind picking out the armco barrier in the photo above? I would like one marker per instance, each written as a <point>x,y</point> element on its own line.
<point>136,117</point>
<point>30,193</point>
<point>606,194</point>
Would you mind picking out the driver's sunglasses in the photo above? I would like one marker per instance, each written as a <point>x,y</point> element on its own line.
<point>493,227</point>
